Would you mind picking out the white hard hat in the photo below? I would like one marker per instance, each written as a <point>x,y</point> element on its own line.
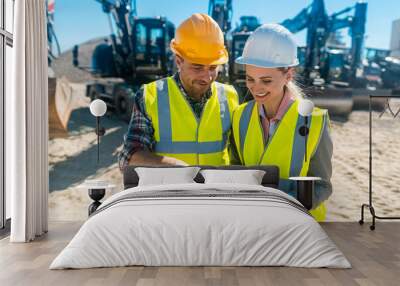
<point>270,46</point>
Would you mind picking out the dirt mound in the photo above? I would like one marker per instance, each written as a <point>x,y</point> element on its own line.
<point>62,66</point>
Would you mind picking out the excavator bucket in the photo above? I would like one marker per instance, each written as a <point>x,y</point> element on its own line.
<point>60,107</point>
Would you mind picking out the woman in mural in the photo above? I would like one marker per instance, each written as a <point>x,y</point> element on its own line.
<point>268,129</point>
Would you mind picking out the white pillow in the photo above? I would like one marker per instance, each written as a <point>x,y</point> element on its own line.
<point>163,176</point>
<point>248,177</point>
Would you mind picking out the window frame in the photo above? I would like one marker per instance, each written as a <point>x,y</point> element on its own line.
<point>6,39</point>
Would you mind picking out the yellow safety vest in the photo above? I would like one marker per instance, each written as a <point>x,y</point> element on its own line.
<point>177,131</point>
<point>286,146</point>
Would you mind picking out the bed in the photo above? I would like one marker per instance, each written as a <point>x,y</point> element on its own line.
<point>201,224</point>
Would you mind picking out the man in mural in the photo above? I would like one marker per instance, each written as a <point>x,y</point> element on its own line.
<point>185,119</point>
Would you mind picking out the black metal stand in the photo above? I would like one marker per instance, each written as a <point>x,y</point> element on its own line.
<point>100,131</point>
<point>305,191</point>
<point>370,203</point>
<point>96,195</point>
<point>304,130</point>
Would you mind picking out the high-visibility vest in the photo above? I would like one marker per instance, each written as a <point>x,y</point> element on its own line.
<point>285,148</point>
<point>179,133</point>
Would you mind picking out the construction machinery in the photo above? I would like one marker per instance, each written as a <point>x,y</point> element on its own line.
<point>221,11</point>
<point>59,91</point>
<point>237,74</point>
<point>335,74</point>
<point>319,54</point>
<point>53,46</point>
<point>385,67</point>
<point>331,72</point>
<point>137,53</point>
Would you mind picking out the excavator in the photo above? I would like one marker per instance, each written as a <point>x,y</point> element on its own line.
<point>382,67</point>
<point>341,82</point>
<point>333,74</point>
<point>138,53</point>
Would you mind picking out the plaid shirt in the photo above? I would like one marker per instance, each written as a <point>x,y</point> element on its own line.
<point>140,135</point>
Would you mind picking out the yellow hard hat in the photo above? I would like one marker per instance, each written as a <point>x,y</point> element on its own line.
<point>200,40</point>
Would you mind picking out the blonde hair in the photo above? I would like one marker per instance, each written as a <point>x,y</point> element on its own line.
<point>295,89</point>
<point>292,86</point>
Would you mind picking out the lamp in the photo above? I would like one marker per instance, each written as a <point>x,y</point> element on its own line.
<point>98,108</point>
<point>97,188</point>
<point>305,109</point>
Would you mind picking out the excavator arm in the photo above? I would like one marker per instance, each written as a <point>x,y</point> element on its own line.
<point>122,11</point>
<point>299,22</point>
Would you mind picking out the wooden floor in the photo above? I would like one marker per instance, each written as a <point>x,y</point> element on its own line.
<point>375,256</point>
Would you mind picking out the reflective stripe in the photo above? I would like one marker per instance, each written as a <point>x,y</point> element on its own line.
<point>298,152</point>
<point>166,145</point>
<point>224,108</point>
<point>163,106</point>
<point>190,147</point>
<point>244,125</point>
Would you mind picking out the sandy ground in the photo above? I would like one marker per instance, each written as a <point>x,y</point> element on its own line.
<point>74,159</point>
<point>351,164</point>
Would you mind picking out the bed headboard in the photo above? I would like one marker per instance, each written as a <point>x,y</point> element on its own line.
<point>271,177</point>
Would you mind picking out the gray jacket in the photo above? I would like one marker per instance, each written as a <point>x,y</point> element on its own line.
<point>321,166</point>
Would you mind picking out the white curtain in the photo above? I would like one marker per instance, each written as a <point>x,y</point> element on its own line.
<point>27,123</point>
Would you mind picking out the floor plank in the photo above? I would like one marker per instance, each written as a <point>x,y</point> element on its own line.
<point>374,255</point>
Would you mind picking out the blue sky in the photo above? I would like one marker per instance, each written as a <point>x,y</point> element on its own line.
<point>79,20</point>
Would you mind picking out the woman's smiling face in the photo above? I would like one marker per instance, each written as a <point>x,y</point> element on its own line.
<point>267,84</point>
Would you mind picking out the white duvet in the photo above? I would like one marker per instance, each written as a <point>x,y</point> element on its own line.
<point>206,230</point>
